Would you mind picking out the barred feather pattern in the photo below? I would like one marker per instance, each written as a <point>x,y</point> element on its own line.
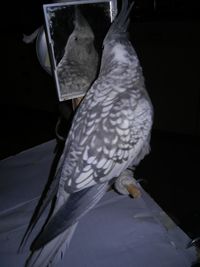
<point>112,123</point>
<point>110,132</point>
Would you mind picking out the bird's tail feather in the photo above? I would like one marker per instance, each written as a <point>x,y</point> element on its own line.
<point>43,204</point>
<point>50,245</point>
<point>53,252</point>
<point>76,206</point>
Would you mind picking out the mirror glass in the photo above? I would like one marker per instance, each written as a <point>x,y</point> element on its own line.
<point>74,34</point>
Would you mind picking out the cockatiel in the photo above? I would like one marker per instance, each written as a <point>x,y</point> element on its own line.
<point>110,132</point>
<point>80,59</point>
<point>78,67</point>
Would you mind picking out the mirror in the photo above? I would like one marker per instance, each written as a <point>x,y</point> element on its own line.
<point>74,33</point>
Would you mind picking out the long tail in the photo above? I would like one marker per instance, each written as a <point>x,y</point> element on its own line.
<point>53,252</point>
<point>77,205</point>
<point>50,246</point>
<point>44,202</point>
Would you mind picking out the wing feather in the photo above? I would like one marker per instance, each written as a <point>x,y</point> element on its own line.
<point>106,150</point>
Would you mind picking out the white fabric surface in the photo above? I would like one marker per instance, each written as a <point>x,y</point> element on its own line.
<point>118,232</point>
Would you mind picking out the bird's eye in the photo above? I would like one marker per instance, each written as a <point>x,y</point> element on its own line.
<point>75,38</point>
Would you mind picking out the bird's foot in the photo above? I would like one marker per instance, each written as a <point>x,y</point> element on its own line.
<point>127,185</point>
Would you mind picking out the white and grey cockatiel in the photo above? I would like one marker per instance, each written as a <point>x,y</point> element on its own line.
<point>78,67</point>
<point>110,132</point>
<point>75,74</point>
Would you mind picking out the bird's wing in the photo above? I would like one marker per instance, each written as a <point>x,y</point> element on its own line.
<point>77,205</point>
<point>98,153</point>
<point>107,133</point>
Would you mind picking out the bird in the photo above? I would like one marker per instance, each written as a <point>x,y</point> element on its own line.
<point>76,70</point>
<point>110,133</point>
<point>79,55</point>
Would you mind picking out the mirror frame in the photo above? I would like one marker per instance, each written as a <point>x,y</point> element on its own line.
<point>50,57</point>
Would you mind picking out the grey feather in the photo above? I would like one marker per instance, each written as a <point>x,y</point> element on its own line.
<point>77,205</point>
<point>74,70</point>
<point>110,132</point>
<point>42,205</point>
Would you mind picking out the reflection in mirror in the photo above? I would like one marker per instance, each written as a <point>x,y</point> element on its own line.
<point>75,33</point>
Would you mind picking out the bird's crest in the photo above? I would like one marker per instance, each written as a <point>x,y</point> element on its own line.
<point>121,22</point>
<point>81,26</point>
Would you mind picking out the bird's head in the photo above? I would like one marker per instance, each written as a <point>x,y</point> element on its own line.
<point>118,29</point>
<point>81,41</point>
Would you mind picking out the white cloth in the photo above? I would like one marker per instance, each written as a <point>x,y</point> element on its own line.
<point>119,231</point>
